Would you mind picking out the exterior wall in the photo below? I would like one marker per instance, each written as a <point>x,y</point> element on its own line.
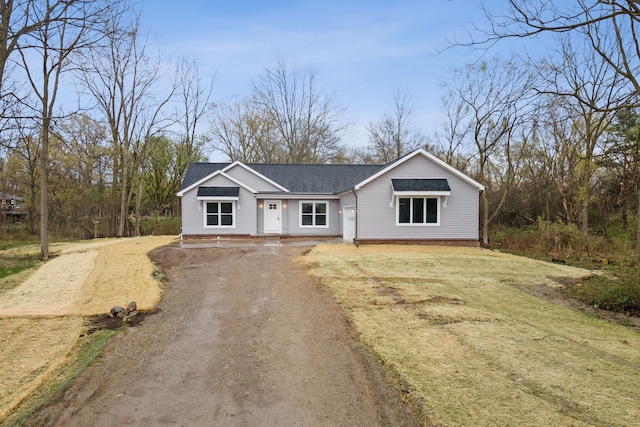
<point>291,218</point>
<point>193,212</point>
<point>250,179</point>
<point>347,200</point>
<point>377,219</point>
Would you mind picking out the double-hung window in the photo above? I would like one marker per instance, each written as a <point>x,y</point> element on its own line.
<point>220,214</point>
<point>418,210</point>
<point>314,214</point>
<point>219,205</point>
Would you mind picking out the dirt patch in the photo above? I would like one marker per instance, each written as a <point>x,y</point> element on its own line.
<point>557,295</point>
<point>98,323</point>
<point>242,337</point>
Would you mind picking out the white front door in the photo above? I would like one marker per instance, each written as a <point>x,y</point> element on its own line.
<point>349,223</point>
<point>272,216</point>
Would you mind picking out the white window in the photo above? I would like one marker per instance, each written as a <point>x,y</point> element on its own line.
<point>418,211</point>
<point>220,214</point>
<point>314,214</point>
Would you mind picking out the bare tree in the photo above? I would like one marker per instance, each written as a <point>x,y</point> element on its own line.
<point>592,94</point>
<point>451,139</point>
<point>194,98</point>
<point>495,94</point>
<point>395,135</point>
<point>609,27</point>
<point>194,94</point>
<point>307,120</point>
<point>242,131</point>
<point>63,31</point>
<point>121,78</point>
<point>19,18</point>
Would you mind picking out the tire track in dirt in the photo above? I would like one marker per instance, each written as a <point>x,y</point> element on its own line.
<point>243,337</point>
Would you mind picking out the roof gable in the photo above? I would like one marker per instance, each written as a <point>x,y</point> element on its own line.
<point>432,158</point>
<point>239,164</point>
<point>206,178</point>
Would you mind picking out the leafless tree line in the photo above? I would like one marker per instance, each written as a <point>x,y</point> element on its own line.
<point>88,162</point>
<point>552,138</point>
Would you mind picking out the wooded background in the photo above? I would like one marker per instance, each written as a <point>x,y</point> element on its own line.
<point>555,138</point>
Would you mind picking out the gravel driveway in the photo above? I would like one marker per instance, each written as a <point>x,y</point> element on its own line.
<point>242,338</point>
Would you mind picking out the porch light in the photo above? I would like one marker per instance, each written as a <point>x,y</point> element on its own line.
<point>260,205</point>
<point>284,206</point>
<point>340,211</point>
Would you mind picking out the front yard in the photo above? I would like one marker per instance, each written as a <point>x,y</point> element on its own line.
<point>465,342</point>
<point>42,310</point>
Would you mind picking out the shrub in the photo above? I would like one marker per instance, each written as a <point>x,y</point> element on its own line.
<point>160,226</point>
<point>617,290</point>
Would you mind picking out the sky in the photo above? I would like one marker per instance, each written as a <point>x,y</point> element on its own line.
<point>361,50</point>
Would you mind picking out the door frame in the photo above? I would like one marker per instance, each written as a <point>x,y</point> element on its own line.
<point>266,216</point>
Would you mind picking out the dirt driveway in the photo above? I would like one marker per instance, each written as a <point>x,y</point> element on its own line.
<point>242,338</point>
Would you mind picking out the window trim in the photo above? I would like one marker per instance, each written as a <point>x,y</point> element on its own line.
<point>219,202</point>
<point>418,224</point>
<point>314,203</point>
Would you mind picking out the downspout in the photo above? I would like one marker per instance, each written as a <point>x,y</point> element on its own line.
<point>355,238</point>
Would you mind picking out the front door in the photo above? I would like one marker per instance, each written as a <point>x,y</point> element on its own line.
<point>272,216</point>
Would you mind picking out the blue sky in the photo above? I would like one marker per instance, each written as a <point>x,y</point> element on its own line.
<point>361,50</point>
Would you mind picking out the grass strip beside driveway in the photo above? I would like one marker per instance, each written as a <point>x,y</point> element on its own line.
<point>469,347</point>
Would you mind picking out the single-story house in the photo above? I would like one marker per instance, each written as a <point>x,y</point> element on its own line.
<point>417,198</point>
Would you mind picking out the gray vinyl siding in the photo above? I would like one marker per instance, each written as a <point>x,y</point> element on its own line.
<point>347,199</point>
<point>292,214</point>
<point>291,218</point>
<point>377,219</point>
<point>251,180</point>
<point>193,211</point>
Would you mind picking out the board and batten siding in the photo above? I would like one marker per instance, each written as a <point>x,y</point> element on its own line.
<point>193,211</point>
<point>377,219</point>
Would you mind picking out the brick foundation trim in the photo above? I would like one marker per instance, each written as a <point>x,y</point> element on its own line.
<point>425,242</point>
<point>283,237</point>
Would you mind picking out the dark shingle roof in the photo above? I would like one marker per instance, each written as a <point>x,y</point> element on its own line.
<point>420,185</point>
<point>323,179</point>
<point>297,178</point>
<point>218,191</point>
<point>197,171</point>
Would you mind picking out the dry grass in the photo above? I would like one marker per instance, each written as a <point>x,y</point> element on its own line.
<point>41,318</point>
<point>470,348</point>
<point>88,279</point>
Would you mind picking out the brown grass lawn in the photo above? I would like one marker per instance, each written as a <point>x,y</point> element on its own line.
<point>41,317</point>
<point>469,347</point>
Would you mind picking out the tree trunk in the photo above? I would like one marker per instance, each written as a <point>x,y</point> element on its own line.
<point>123,196</point>
<point>638,223</point>
<point>485,219</point>
<point>44,201</point>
